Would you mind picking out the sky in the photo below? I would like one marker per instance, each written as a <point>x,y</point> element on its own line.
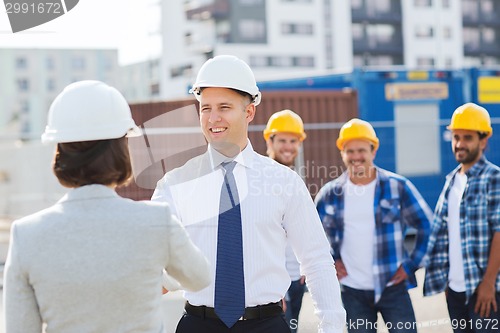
<point>131,26</point>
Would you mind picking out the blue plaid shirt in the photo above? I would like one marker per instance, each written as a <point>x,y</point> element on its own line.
<point>397,205</point>
<point>479,220</point>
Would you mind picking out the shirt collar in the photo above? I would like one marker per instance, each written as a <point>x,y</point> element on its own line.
<point>245,157</point>
<point>379,176</point>
<point>473,171</point>
<point>477,167</point>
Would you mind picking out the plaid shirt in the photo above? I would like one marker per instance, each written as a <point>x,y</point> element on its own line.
<point>397,205</point>
<point>479,220</point>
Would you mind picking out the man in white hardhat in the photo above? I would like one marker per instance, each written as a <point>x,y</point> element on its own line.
<point>93,262</point>
<point>241,209</point>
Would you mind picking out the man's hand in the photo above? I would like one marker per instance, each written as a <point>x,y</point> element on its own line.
<point>398,277</point>
<point>485,299</point>
<point>341,271</point>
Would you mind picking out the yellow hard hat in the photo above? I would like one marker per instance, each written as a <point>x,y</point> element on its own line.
<point>357,129</point>
<point>285,121</point>
<point>471,117</point>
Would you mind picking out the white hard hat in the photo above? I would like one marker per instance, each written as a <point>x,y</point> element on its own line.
<point>226,71</point>
<point>87,111</point>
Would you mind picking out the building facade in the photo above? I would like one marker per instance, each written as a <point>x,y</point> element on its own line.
<point>32,78</point>
<point>279,37</point>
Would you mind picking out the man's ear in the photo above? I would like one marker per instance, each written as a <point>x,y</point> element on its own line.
<point>483,143</point>
<point>250,111</point>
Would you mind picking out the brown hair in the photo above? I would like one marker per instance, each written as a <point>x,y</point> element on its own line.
<point>105,162</point>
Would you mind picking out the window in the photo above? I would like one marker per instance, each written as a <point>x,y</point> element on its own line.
<point>251,2</point>
<point>472,61</point>
<point>422,3</point>
<point>425,61</point>
<point>21,63</point>
<point>448,62</point>
<point>252,29</point>
<point>51,85</point>
<point>155,89</point>
<point>488,35</point>
<point>490,61</point>
<point>297,28</point>
<point>24,118</point>
<point>23,84</point>
<point>304,29</point>
<point>24,107</point>
<point>108,63</point>
<point>78,63</point>
<point>382,6</point>
<point>222,29</point>
<point>356,4</point>
<point>380,33</point>
<point>447,32</point>
<point>188,38</point>
<point>358,61</point>
<point>357,31</point>
<point>469,9</point>
<point>424,32</point>
<point>259,61</point>
<point>471,37</point>
<point>487,7</point>
<point>304,61</point>
<point>282,61</point>
<point>49,63</point>
<point>183,70</point>
<point>380,61</point>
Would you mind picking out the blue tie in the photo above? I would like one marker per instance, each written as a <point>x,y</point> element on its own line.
<point>229,280</point>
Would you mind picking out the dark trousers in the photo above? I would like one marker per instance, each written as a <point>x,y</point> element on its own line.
<point>194,324</point>
<point>394,305</point>
<point>294,303</point>
<point>465,320</point>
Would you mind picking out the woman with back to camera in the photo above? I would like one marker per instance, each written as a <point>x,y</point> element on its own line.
<point>93,261</point>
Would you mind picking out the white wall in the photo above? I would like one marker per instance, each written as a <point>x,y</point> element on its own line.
<point>437,46</point>
<point>342,34</point>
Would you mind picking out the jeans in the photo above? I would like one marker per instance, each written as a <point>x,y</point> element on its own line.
<point>294,303</point>
<point>465,320</point>
<point>394,305</point>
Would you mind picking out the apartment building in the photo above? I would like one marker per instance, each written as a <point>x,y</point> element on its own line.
<point>140,82</point>
<point>290,37</point>
<point>32,78</point>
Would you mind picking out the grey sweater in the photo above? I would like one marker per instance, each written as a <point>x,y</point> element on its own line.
<point>93,263</point>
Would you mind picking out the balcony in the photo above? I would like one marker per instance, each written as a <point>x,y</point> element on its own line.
<point>219,9</point>
<point>376,45</point>
<point>490,19</point>
<point>368,13</point>
<point>476,49</point>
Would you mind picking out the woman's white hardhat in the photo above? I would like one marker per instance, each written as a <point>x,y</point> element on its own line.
<point>87,111</point>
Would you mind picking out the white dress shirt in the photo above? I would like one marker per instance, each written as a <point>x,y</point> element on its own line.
<point>276,208</point>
